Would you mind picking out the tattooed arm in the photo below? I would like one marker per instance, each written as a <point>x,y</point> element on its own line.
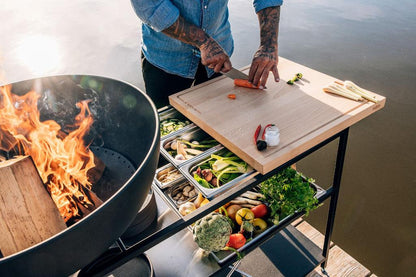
<point>265,59</point>
<point>212,54</point>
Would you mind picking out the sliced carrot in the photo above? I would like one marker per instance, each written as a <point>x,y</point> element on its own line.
<point>231,96</point>
<point>244,83</point>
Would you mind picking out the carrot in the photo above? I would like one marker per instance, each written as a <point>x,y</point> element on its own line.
<point>231,96</point>
<point>244,83</point>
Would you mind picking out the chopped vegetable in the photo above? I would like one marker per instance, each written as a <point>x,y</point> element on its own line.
<point>183,193</point>
<point>193,152</point>
<point>297,77</point>
<point>252,195</point>
<point>183,150</point>
<point>224,167</point>
<point>204,202</point>
<point>170,125</point>
<point>223,162</point>
<point>202,181</point>
<point>166,176</point>
<point>203,144</point>
<point>231,96</point>
<point>243,200</point>
<point>199,200</point>
<point>244,83</point>
<point>187,208</point>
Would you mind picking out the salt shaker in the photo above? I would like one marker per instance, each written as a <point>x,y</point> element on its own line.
<point>272,135</point>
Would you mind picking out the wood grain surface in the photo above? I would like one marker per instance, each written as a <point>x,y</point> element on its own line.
<point>27,213</point>
<point>304,113</point>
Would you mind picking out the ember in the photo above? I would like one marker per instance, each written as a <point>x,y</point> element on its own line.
<point>61,157</point>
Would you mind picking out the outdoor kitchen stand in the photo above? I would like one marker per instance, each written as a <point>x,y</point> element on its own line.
<point>127,253</point>
<point>308,119</point>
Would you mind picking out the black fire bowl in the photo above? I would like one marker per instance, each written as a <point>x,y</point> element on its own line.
<point>125,121</point>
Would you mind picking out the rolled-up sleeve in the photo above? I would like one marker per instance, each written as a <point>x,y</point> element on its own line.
<point>158,14</point>
<point>262,4</point>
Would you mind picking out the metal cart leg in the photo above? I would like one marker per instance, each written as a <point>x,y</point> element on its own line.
<point>342,146</point>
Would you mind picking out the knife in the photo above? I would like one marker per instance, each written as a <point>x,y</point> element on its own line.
<point>235,74</point>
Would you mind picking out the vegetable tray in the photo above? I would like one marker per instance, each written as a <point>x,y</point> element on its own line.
<point>192,133</point>
<point>164,170</point>
<point>170,113</point>
<point>212,192</point>
<point>221,257</point>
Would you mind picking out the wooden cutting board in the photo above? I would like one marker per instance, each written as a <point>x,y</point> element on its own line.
<point>304,113</point>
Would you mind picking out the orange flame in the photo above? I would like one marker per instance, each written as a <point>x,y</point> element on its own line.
<point>62,159</point>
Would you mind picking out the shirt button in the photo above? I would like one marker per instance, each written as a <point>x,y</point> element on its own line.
<point>205,6</point>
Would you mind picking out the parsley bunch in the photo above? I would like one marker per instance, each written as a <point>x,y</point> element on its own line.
<point>286,193</point>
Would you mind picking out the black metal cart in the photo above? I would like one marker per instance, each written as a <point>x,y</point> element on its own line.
<point>170,232</point>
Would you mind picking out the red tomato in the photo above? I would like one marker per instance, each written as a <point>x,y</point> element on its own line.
<point>259,210</point>
<point>236,241</point>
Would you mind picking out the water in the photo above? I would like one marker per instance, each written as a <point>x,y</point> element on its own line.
<point>369,42</point>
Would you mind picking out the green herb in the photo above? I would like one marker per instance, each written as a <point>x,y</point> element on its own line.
<point>286,193</point>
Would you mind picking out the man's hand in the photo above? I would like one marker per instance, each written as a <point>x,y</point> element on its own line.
<point>266,57</point>
<point>212,54</point>
<point>264,61</point>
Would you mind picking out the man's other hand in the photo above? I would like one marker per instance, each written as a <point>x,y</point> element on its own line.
<point>213,56</point>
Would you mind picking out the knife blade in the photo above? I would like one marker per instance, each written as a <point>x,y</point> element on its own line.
<point>235,74</point>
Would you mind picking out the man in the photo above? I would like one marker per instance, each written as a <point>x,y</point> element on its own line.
<point>187,42</point>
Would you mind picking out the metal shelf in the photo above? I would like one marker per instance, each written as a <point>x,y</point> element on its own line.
<point>166,228</point>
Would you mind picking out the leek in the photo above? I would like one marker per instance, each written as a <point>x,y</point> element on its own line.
<point>362,92</point>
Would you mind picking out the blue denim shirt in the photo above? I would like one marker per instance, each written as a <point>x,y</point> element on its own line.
<point>172,55</point>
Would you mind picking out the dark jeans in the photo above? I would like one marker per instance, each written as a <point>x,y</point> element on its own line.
<point>160,84</point>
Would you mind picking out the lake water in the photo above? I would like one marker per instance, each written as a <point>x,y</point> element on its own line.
<point>369,42</point>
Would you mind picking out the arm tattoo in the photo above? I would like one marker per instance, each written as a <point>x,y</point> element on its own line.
<point>269,29</point>
<point>186,32</point>
<point>193,35</point>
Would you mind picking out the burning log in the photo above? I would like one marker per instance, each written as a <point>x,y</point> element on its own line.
<point>27,213</point>
<point>95,173</point>
<point>65,164</point>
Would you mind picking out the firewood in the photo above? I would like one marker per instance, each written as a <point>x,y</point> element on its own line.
<point>28,214</point>
<point>95,174</point>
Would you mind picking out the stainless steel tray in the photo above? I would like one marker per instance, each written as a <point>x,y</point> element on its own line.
<point>211,193</point>
<point>179,186</point>
<point>222,255</point>
<point>189,134</point>
<point>164,169</point>
<point>169,113</point>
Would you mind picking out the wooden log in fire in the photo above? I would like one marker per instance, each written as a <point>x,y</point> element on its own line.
<point>27,213</point>
<point>95,173</point>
